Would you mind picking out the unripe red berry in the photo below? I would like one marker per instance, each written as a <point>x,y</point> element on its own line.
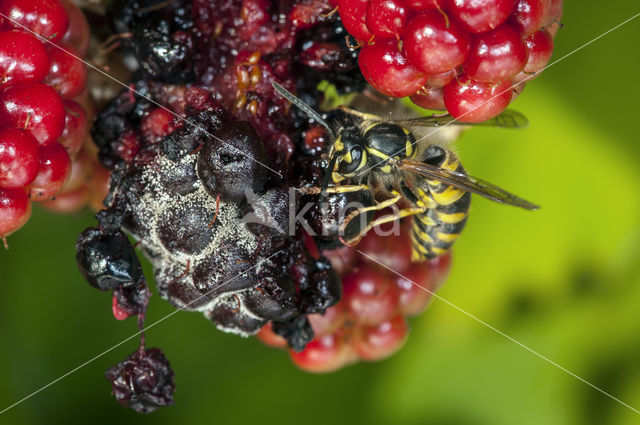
<point>46,18</point>
<point>386,18</point>
<point>430,98</point>
<point>472,101</point>
<point>369,296</point>
<point>157,124</point>
<point>353,14</point>
<point>388,70</point>
<point>67,202</point>
<point>68,74</point>
<point>439,269</point>
<point>98,186</point>
<point>329,322</point>
<point>423,5</point>
<point>19,161</point>
<point>78,33</point>
<point>480,15</point>
<point>434,44</point>
<point>554,15</point>
<point>342,258</point>
<point>394,250</point>
<point>529,15</point>
<point>55,167</point>
<point>22,57</point>
<point>75,127</point>
<point>35,107</point>
<point>15,210</point>
<point>382,340</point>
<point>441,79</point>
<point>414,289</point>
<point>80,173</point>
<point>324,354</point>
<point>540,46</point>
<point>496,56</point>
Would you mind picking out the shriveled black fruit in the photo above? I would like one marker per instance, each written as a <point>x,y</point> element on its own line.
<point>231,164</point>
<point>297,332</point>
<point>143,381</point>
<point>107,260</point>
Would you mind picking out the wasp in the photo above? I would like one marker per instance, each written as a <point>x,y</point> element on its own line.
<point>368,152</point>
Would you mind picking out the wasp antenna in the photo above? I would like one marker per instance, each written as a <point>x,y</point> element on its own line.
<point>303,106</point>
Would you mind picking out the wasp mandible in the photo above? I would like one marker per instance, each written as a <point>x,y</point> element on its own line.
<point>368,152</point>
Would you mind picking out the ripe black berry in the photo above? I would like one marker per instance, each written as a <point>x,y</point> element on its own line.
<point>231,164</point>
<point>107,260</point>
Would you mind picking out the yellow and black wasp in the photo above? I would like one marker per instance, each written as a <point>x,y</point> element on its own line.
<point>368,152</point>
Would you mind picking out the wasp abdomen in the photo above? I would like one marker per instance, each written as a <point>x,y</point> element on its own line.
<point>435,230</point>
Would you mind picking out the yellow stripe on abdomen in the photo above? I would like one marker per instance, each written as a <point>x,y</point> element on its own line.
<point>451,218</point>
<point>447,196</point>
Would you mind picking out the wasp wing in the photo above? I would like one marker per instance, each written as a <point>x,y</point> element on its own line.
<point>466,182</point>
<point>508,119</point>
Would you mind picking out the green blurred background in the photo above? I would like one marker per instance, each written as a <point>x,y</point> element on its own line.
<point>564,281</point>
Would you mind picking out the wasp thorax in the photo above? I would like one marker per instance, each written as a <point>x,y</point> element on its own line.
<point>235,158</point>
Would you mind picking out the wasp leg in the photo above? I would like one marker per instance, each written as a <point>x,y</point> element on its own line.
<point>338,189</point>
<point>385,219</point>
<point>377,207</point>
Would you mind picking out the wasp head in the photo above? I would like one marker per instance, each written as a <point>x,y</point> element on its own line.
<point>347,156</point>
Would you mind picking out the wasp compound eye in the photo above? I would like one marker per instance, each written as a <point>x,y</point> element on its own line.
<point>236,159</point>
<point>350,161</point>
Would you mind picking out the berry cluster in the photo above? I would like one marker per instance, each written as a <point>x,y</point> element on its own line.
<point>369,322</point>
<point>43,108</point>
<point>462,56</point>
<point>207,182</point>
